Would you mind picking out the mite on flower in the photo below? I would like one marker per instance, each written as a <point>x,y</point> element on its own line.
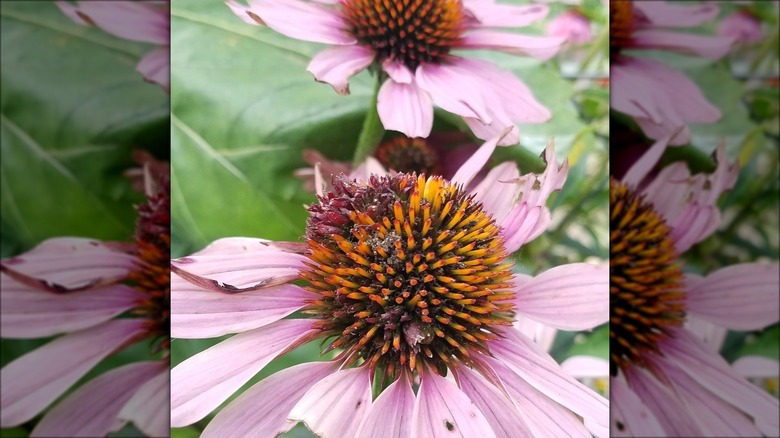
<point>412,44</point>
<point>666,381</point>
<point>405,278</point>
<point>77,287</point>
<point>147,22</point>
<point>658,97</point>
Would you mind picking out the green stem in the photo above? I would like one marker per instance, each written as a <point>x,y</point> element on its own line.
<point>594,49</point>
<point>372,130</point>
<point>766,48</point>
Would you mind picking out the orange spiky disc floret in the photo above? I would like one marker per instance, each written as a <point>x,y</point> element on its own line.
<point>410,271</point>
<point>410,31</point>
<point>404,154</point>
<point>646,298</point>
<point>621,25</point>
<point>153,271</point>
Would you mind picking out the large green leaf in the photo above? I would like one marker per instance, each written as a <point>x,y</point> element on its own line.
<point>73,107</point>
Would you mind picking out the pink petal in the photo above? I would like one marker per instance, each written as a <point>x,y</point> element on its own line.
<point>301,20</point>
<point>204,381</point>
<point>710,334</point>
<point>155,67</point>
<point>586,367</point>
<point>129,20</point>
<point>542,415</point>
<point>32,313</point>
<point>714,373</point>
<point>397,71</point>
<point>442,410</point>
<point>475,163</point>
<point>198,314</point>
<point>757,366</point>
<point>66,263</point>
<point>541,334</point>
<point>453,89</point>
<point>503,416</point>
<point>739,297</point>
<point>496,192</point>
<point>567,297</point>
<point>492,15</point>
<point>335,65</point>
<point>93,409</point>
<point>30,382</point>
<point>239,264</point>
<point>708,46</point>
<point>367,168</point>
<point>335,406</point>
<point>391,413</point>
<point>538,369</point>
<point>262,409</point>
<point>405,108</point>
<point>630,417</point>
<point>150,407</point>
<point>667,14</point>
<point>244,13</point>
<point>501,121</point>
<point>646,163</point>
<point>540,47</point>
<point>518,225</point>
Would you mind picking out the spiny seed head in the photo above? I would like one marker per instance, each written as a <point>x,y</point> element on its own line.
<point>645,279</point>
<point>621,25</point>
<point>404,154</point>
<point>410,31</point>
<point>410,271</point>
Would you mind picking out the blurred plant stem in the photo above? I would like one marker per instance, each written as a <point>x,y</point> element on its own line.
<point>372,131</point>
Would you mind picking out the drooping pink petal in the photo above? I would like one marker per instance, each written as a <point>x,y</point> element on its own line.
<point>93,409</point>
<point>714,373</point>
<point>335,406</point>
<point>204,381</point>
<point>630,417</point>
<point>757,366</point>
<point>453,90</point>
<point>542,335</point>
<point>442,410</point>
<point>540,47</point>
<point>31,313</point>
<point>136,21</point>
<point>542,415</point>
<point>335,65</point>
<point>504,418</point>
<point>738,297</point>
<point>476,162</point>
<point>150,407</point>
<point>710,334</point>
<point>663,403</point>
<point>537,368</point>
<point>391,413</point>
<point>571,26</point>
<point>34,380</point>
<point>155,67</point>
<point>398,71</point>
<point>743,26</point>
<point>668,14</point>
<point>198,313</point>
<point>708,46</point>
<point>263,408</point>
<point>303,21</point>
<point>586,367</point>
<point>639,170</point>
<point>496,191</point>
<point>239,264</point>
<point>405,108</point>
<point>489,14</point>
<point>371,166</point>
<point>567,297</point>
<point>64,264</point>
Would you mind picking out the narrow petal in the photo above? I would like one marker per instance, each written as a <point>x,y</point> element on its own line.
<point>496,192</point>
<point>93,409</point>
<point>391,413</point>
<point>335,65</point>
<point>398,71</point>
<point>475,163</point>
<point>540,47</point>
<point>757,366</point>
<point>538,369</point>
<point>738,297</point>
<point>198,314</point>
<point>405,108</point>
<point>504,418</point>
<point>371,166</point>
<point>630,417</point>
<point>300,20</point>
<point>646,163</point>
<point>708,46</point>
<point>129,20</point>
<point>335,406</point>
<point>204,381</point>
<point>442,410</point>
<point>32,313</point>
<point>453,90</point>
<point>567,297</point>
<point>586,367</point>
<point>155,67</point>
<point>262,410</point>
<point>490,14</point>
<point>667,14</point>
<point>150,407</point>
<point>668,409</point>
<point>30,382</point>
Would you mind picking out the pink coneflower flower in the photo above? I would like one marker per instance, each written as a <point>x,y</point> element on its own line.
<point>412,44</point>
<point>742,26</point>
<point>667,382</point>
<point>406,279</point>
<point>571,26</point>
<point>76,288</point>
<point>144,21</point>
<point>658,97</point>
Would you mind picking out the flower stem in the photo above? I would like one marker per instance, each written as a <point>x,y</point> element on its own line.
<point>372,131</point>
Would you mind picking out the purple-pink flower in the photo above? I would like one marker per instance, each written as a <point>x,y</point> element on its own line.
<point>144,21</point>
<point>742,26</point>
<point>78,288</point>
<point>658,97</point>
<point>412,43</point>
<point>666,381</point>
<point>571,26</point>
<point>404,278</point>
